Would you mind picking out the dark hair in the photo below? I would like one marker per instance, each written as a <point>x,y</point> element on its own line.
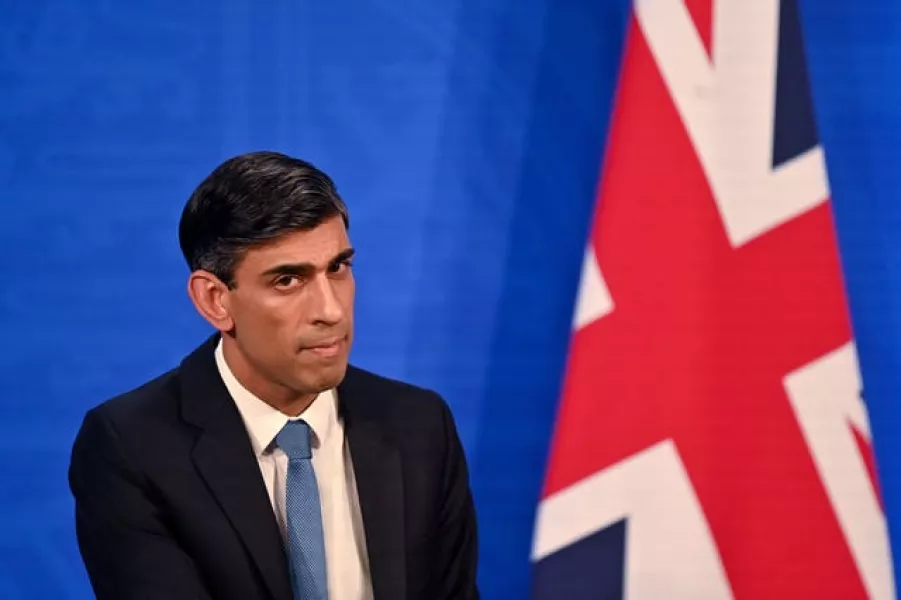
<point>251,199</point>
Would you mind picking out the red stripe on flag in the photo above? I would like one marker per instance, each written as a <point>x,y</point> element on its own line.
<point>866,452</point>
<point>702,14</point>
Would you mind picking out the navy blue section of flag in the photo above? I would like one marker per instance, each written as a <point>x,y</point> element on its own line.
<point>590,569</point>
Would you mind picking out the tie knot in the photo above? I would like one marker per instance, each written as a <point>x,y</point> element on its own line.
<point>294,439</point>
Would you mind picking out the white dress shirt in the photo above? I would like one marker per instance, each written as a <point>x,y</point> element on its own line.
<point>342,523</point>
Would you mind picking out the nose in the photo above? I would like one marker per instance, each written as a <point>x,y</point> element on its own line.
<point>325,307</point>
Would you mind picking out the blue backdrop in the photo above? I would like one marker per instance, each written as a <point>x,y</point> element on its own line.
<point>466,137</point>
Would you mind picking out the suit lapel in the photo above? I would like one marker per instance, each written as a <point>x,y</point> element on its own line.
<point>377,469</point>
<point>224,458</point>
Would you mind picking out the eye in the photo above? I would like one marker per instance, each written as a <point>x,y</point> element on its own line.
<point>287,281</point>
<point>341,266</point>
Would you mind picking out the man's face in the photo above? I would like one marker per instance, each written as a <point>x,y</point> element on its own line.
<point>292,306</point>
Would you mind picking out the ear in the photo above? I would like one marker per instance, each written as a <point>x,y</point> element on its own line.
<point>211,299</point>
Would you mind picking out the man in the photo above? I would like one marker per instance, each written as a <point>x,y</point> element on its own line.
<point>265,467</point>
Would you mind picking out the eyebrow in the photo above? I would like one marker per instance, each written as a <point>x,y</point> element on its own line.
<point>306,268</point>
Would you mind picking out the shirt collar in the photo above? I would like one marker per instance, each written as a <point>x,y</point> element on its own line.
<point>263,422</point>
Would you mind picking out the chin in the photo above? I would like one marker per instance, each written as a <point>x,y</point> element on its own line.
<point>326,377</point>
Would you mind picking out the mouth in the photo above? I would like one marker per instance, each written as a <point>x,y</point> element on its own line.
<point>327,348</point>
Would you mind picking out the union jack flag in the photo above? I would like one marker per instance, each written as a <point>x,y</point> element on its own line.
<point>711,440</point>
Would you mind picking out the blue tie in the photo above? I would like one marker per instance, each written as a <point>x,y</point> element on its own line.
<point>306,548</point>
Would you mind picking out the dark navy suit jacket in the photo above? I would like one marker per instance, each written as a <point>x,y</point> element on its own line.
<point>170,503</point>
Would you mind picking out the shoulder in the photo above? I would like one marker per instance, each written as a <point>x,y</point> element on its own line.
<point>393,389</point>
<point>146,416</point>
<point>121,431</point>
<point>392,400</point>
<point>195,376</point>
<point>417,421</point>
<point>158,395</point>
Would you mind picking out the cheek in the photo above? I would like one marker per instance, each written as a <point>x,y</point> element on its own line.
<point>283,312</point>
<point>266,314</point>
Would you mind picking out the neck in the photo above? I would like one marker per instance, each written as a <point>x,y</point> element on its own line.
<point>285,400</point>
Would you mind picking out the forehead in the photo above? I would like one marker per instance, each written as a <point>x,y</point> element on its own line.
<point>316,246</point>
